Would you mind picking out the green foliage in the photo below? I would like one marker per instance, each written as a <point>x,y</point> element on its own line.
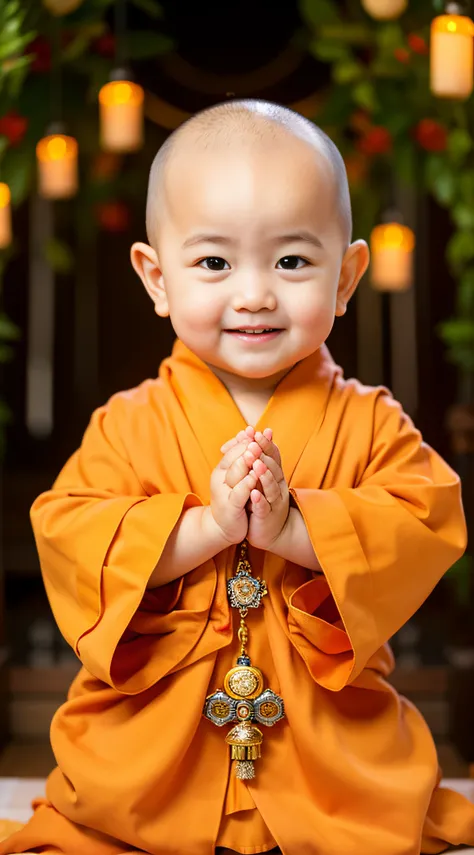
<point>27,91</point>
<point>380,71</point>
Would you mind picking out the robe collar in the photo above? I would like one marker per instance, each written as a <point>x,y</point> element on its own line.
<point>295,411</point>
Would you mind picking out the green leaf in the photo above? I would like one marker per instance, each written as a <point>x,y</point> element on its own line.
<point>144,44</point>
<point>347,72</point>
<point>347,33</point>
<point>405,161</point>
<point>17,170</point>
<point>389,37</point>
<point>59,255</point>
<point>8,330</point>
<point>459,144</point>
<point>151,7</point>
<point>460,249</point>
<point>444,186</point>
<point>458,331</point>
<point>318,12</point>
<point>328,51</point>
<point>465,292</point>
<point>463,215</point>
<point>364,95</point>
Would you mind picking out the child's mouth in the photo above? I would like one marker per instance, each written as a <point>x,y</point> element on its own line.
<point>255,336</point>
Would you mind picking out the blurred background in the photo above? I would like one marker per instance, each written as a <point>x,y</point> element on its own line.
<point>89,90</point>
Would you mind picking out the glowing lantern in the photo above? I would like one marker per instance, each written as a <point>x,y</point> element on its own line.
<point>451,65</point>
<point>384,10</point>
<point>391,247</point>
<point>121,116</point>
<point>5,216</point>
<point>57,166</point>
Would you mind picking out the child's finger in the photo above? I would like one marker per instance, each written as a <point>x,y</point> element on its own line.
<point>232,454</point>
<point>272,465</point>
<point>271,487</point>
<point>239,469</point>
<point>267,445</point>
<point>242,435</point>
<point>240,494</point>
<point>260,506</point>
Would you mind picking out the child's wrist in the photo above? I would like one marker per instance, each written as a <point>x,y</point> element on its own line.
<point>212,533</point>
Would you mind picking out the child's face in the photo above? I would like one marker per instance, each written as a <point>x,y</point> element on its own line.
<point>251,236</point>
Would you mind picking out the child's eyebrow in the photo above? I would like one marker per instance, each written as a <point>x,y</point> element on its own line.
<point>305,236</point>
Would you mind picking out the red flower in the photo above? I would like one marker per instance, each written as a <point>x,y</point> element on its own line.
<point>41,50</point>
<point>402,55</point>
<point>417,43</point>
<point>376,141</point>
<point>105,45</point>
<point>13,126</point>
<point>431,135</point>
<point>113,216</point>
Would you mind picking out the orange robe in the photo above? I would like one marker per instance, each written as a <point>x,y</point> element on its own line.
<point>352,768</point>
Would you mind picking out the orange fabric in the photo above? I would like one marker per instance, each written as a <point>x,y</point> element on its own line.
<point>353,767</point>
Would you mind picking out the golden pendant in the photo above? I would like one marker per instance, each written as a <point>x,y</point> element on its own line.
<point>244,699</point>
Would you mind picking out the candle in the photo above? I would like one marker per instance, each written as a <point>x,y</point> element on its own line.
<point>57,166</point>
<point>451,65</point>
<point>5,216</point>
<point>121,116</point>
<point>391,247</point>
<point>384,10</point>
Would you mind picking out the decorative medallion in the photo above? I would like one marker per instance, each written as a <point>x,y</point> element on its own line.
<point>243,682</point>
<point>268,708</point>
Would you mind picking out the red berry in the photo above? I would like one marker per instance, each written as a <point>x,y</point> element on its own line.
<point>431,135</point>
<point>13,126</point>
<point>376,141</point>
<point>417,43</point>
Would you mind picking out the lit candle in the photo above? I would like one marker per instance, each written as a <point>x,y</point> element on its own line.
<point>451,66</point>
<point>121,116</point>
<point>57,166</point>
<point>391,247</point>
<point>384,10</point>
<point>5,216</point>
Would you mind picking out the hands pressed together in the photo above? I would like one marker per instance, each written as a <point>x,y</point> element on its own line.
<point>249,493</point>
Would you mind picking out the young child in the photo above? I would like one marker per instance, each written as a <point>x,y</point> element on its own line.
<point>254,438</point>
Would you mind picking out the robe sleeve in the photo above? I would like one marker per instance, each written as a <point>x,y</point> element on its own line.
<point>382,545</point>
<point>99,537</point>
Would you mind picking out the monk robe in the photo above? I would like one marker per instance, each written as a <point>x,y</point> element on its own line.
<point>352,768</point>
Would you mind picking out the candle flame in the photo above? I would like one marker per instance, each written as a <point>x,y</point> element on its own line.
<point>5,195</point>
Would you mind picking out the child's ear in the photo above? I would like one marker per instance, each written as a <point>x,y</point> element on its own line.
<point>146,263</point>
<point>354,265</point>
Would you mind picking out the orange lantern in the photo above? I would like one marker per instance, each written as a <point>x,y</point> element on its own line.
<point>5,216</point>
<point>384,10</point>
<point>451,60</point>
<point>121,116</point>
<point>391,247</point>
<point>57,166</point>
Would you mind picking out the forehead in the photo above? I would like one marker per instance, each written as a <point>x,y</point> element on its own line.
<point>248,182</point>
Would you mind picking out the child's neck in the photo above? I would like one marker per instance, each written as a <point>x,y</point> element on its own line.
<point>251,394</point>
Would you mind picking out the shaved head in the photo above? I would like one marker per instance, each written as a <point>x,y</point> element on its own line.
<point>251,122</point>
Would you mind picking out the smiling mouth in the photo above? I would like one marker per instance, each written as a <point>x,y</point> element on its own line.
<point>246,331</point>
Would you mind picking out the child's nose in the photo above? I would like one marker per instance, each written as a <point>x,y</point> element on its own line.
<point>253,294</point>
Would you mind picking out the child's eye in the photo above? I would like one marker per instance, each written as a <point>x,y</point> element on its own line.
<point>290,262</point>
<point>214,262</point>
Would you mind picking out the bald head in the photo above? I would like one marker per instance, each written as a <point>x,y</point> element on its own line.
<point>249,121</point>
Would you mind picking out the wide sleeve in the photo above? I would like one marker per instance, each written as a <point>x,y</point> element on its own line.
<point>382,545</point>
<point>99,537</point>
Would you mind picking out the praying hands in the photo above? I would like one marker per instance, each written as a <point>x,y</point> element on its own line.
<point>268,504</point>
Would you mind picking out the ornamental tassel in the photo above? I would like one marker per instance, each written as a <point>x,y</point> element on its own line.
<point>245,740</point>
<point>244,699</point>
